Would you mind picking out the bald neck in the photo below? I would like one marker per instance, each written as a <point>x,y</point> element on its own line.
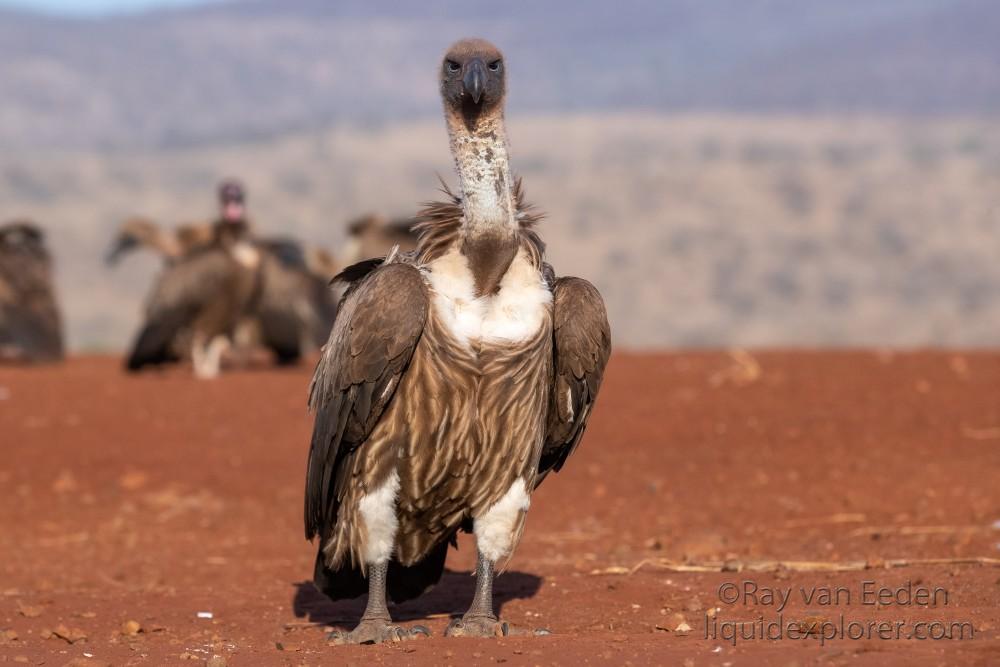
<point>489,234</point>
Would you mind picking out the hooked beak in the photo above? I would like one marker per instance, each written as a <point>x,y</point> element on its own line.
<point>475,79</point>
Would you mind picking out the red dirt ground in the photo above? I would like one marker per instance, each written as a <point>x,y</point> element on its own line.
<point>153,498</point>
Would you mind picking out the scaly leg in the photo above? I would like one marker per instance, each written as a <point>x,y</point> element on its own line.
<point>480,620</point>
<point>376,624</point>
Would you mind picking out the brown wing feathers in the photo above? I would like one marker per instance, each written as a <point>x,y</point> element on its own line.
<point>372,342</point>
<point>582,345</point>
<point>182,290</point>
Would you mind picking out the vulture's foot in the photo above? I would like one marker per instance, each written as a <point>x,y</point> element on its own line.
<point>377,631</point>
<point>487,626</point>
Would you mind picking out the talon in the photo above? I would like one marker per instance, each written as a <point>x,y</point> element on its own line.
<point>483,626</point>
<point>376,631</point>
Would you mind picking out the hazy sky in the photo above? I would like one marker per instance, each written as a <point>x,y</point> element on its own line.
<point>91,6</point>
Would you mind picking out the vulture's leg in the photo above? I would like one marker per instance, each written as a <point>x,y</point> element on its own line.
<point>244,339</point>
<point>216,349</point>
<point>197,353</point>
<point>496,533</point>
<point>480,620</point>
<point>376,624</point>
<point>208,358</point>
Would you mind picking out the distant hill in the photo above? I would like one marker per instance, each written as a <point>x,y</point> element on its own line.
<point>241,71</point>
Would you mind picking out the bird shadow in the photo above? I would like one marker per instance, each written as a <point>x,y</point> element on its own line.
<point>451,596</point>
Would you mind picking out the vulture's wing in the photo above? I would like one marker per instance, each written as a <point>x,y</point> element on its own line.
<point>294,306</point>
<point>582,344</point>
<point>283,310</point>
<point>127,241</point>
<point>193,235</point>
<point>376,330</point>
<point>181,292</point>
<point>357,271</point>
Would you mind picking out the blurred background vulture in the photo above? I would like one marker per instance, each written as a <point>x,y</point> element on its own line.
<point>288,309</point>
<point>30,323</point>
<point>198,301</point>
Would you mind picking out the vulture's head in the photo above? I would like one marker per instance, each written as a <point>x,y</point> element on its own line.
<point>23,238</point>
<point>232,201</point>
<point>473,79</point>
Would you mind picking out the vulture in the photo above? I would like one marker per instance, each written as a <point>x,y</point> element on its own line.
<point>456,378</point>
<point>374,236</point>
<point>30,324</point>
<point>200,298</point>
<point>292,309</point>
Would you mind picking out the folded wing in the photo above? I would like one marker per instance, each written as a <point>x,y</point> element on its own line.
<point>582,345</point>
<point>205,279</point>
<point>380,321</point>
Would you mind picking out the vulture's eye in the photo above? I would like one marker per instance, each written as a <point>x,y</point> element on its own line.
<point>495,66</point>
<point>453,66</point>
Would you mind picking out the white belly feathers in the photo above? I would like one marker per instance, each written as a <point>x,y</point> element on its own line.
<point>514,314</point>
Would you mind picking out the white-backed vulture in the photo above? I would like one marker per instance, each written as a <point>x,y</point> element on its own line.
<point>455,380</point>
<point>30,323</point>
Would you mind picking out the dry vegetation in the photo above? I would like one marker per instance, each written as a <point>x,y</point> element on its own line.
<point>700,230</point>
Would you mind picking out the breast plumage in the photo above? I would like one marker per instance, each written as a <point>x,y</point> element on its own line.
<point>512,315</point>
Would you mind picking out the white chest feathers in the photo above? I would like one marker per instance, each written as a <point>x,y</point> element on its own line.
<point>246,254</point>
<point>513,314</point>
